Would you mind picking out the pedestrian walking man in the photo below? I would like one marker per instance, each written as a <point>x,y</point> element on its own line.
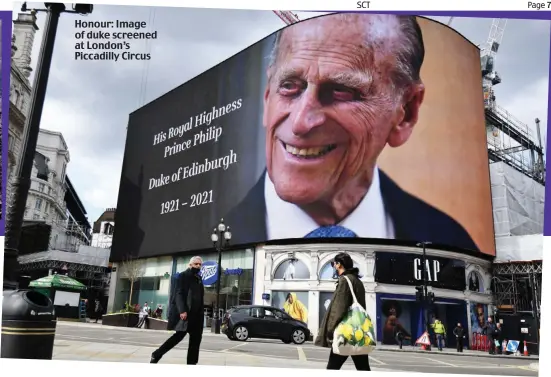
<point>489,330</point>
<point>98,310</point>
<point>185,313</point>
<point>459,333</point>
<point>143,315</point>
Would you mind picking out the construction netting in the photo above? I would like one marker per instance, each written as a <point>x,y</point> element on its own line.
<point>518,202</point>
<point>93,256</point>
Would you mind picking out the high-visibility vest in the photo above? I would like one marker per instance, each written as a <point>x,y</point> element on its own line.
<point>439,328</point>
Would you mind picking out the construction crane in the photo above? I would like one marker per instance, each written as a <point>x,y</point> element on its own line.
<point>287,16</point>
<point>488,54</point>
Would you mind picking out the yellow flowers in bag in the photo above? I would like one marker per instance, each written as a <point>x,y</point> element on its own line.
<point>355,334</point>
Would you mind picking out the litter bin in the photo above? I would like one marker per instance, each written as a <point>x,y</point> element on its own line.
<point>28,325</point>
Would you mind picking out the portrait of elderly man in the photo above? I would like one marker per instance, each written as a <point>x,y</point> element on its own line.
<point>340,89</point>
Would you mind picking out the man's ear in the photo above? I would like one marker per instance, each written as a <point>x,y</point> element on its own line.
<point>408,116</point>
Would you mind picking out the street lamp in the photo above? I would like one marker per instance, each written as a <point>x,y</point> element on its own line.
<point>22,182</point>
<point>424,294</point>
<point>220,238</point>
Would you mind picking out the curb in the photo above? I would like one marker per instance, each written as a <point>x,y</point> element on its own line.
<point>101,326</point>
<point>481,354</point>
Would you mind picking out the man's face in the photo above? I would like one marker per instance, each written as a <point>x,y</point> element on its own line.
<point>330,110</point>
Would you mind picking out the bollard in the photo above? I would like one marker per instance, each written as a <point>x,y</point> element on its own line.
<point>28,325</point>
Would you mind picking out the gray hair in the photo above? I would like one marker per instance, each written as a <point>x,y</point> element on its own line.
<point>195,259</point>
<point>409,55</point>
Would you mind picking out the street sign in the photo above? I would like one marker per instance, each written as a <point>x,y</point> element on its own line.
<point>512,346</point>
<point>424,339</point>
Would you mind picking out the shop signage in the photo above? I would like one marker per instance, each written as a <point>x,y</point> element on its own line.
<point>407,269</point>
<point>233,271</point>
<point>209,272</point>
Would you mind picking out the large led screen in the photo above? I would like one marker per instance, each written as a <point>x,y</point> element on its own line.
<point>345,125</point>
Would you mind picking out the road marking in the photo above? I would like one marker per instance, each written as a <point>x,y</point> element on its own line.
<point>377,360</point>
<point>237,346</point>
<point>441,362</point>
<point>527,368</point>
<point>301,354</point>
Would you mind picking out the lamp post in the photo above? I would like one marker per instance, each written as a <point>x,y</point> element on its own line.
<point>424,296</point>
<point>220,237</point>
<point>22,183</point>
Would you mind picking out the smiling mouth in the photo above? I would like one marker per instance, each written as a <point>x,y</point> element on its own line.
<point>309,153</point>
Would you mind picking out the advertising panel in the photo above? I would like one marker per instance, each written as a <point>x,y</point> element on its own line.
<point>374,131</point>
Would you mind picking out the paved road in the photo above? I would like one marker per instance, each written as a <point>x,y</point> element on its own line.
<point>380,359</point>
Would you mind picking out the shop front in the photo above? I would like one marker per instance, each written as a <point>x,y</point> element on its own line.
<point>390,275</point>
<point>152,284</point>
<point>156,275</point>
<point>448,277</point>
<point>237,275</point>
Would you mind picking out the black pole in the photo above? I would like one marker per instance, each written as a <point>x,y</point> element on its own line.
<point>216,316</point>
<point>22,183</point>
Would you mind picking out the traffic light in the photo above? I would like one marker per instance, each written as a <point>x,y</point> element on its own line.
<point>431,297</point>
<point>419,293</point>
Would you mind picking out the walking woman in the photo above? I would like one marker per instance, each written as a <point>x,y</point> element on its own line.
<point>340,303</point>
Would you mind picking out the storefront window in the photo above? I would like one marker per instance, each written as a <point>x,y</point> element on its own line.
<point>292,269</point>
<point>152,287</point>
<point>475,283</point>
<point>326,273</point>
<point>236,284</point>
<point>479,317</point>
<point>293,303</point>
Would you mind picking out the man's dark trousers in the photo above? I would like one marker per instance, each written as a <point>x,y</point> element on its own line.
<point>195,336</point>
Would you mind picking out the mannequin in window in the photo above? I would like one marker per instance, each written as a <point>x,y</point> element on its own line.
<point>474,284</point>
<point>289,273</point>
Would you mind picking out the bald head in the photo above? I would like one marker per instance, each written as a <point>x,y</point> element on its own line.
<point>375,36</point>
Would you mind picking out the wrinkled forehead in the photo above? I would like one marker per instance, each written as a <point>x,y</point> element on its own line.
<point>367,35</point>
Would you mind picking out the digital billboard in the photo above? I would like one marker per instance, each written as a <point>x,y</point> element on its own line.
<point>344,125</point>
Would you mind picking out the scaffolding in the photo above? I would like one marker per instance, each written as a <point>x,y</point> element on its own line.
<point>88,264</point>
<point>68,236</point>
<point>512,142</point>
<point>517,287</point>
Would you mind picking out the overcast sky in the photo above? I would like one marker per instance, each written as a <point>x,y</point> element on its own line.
<point>89,102</point>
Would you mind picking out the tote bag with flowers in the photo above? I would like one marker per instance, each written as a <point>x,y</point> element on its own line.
<point>355,333</point>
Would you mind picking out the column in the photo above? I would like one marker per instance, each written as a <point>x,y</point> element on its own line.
<point>313,312</point>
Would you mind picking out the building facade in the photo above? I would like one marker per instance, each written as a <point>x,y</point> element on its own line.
<point>46,198</point>
<point>24,30</point>
<point>390,275</point>
<point>158,275</point>
<point>103,229</point>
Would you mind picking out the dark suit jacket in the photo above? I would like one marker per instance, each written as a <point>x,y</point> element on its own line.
<point>187,297</point>
<point>413,219</point>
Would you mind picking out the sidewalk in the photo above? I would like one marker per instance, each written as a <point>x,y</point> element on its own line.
<point>380,347</point>
<point>83,351</point>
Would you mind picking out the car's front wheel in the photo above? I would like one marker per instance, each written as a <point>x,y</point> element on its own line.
<point>241,333</point>
<point>298,336</point>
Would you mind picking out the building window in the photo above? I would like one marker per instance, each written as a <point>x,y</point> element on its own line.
<point>38,204</point>
<point>46,207</point>
<point>41,187</point>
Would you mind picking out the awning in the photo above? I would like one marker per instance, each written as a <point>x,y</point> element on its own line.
<point>57,282</point>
